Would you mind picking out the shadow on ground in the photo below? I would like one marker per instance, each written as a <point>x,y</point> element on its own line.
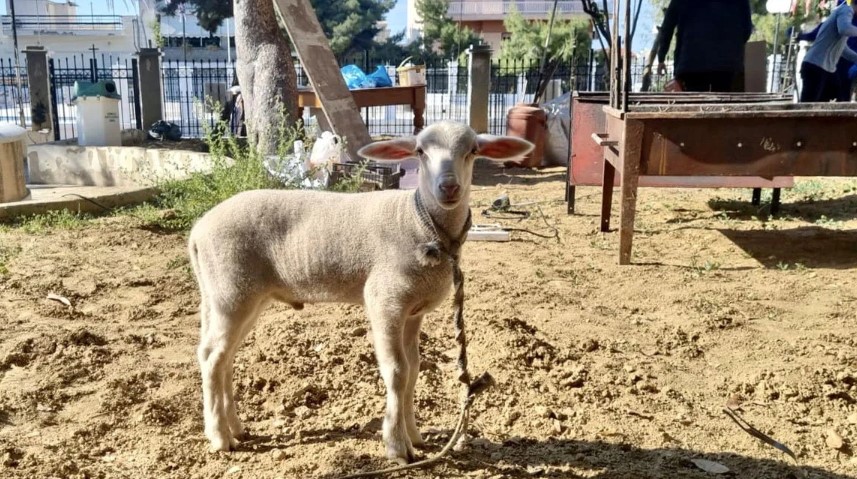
<point>811,246</point>
<point>490,173</point>
<point>520,458</point>
<point>835,209</point>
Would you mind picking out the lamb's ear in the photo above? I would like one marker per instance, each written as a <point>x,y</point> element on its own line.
<point>502,147</point>
<point>390,150</point>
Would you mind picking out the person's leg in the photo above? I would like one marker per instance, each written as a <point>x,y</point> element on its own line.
<point>813,83</point>
<point>844,87</point>
<point>832,87</point>
<point>722,81</point>
<point>694,81</point>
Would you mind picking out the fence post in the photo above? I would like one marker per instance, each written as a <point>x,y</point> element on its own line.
<point>478,86</point>
<point>40,88</point>
<point>151,93</point>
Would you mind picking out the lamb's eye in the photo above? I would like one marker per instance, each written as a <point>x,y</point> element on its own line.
<point>420,152</point>
<point>474,150</point>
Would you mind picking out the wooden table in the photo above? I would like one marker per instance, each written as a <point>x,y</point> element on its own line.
<point>586,158</point>
<point>765,140</point>
<point>415,96</point>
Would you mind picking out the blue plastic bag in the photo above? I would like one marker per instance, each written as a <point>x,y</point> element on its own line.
<point>382,79</point>
<point>355,78</point>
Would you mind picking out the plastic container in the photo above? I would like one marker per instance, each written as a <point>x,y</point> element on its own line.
<point>97,114</point>
<point>410,74</point>
<point>326,150</point>
<point>529,122</point>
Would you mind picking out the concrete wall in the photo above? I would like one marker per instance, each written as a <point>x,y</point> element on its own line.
<point>70,164</point>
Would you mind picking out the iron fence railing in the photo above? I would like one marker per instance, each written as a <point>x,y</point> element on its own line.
<point>193,93</point>
<point>10,94</point>
<point>187,86</point>
<point>63,75</point>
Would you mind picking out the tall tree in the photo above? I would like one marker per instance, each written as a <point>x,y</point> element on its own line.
<point>440,32</point>
<point>211,13</point>
<point>264,65</point>
<point>527,39</point>
<point>600,17</point>
<point>350,25</point>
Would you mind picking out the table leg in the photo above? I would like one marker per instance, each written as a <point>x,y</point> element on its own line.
<point>775,201</point>
<point>569,198</point>
<point>607,194</point>
<point>631,155</point>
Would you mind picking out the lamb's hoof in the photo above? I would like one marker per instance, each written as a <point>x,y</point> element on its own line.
<point>399,457</point>
<point>238,432</point>
<point>223,444</point>
<point>419,444</point>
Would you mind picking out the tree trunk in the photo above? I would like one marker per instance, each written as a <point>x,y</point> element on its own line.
<point>265,71</point>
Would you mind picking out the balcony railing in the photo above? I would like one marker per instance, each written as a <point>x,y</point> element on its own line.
<point>497,9</point>
<point>62,24</point>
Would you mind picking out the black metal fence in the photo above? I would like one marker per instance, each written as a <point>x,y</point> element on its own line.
<point>64,73</point>
<point>193,92</point>
<point>11,95</point>
<point>189,87</point>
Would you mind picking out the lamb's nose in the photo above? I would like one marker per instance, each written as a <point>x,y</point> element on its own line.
<point>449,189</point>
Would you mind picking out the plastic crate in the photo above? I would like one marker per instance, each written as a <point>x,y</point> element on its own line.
<point>380,177</point>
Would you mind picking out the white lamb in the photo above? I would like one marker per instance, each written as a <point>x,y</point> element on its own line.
<point>386,250</point>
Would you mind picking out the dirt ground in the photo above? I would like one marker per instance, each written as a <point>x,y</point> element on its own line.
<point>602,371</point>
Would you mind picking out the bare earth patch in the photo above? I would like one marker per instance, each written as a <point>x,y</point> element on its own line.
<point>603,371</point>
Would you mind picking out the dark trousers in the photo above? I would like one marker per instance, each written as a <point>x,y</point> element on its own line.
<point>707,81</point>
<point>819,85</point>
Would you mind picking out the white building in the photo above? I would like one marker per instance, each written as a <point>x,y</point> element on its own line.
<point>485,17</point>
<point>67,33</point>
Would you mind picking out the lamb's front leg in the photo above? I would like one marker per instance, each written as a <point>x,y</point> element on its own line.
<point>387,332</point>
<point>412,351</point>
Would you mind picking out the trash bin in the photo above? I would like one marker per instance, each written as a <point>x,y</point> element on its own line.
<point>13,154</point>
<point>97,113</point>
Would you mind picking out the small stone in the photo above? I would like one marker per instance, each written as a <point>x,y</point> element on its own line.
<point>302,412</point>
<point>278,455</point>
<point>589,345</point>
<point>629,368</point>
<point>461,443</point>
<point>834,440</point>
<point>557,426</point>
<point>572,383</point>
<point>535,470</point>
<point>852,419</point>
<point>357,332</point>
<point>481,442</point>
<point>543,411</point>
<point>511,418</point>
<point>233,470</point>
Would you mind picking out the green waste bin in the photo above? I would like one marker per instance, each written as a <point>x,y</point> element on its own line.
<point>98,121</point>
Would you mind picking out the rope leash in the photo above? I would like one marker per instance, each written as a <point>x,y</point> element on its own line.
<point>472,388</point>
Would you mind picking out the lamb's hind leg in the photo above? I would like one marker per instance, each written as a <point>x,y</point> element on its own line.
<point>387,330</point>
<point>235,426</point>
<point>412,351</point>
<point>221,334</point>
